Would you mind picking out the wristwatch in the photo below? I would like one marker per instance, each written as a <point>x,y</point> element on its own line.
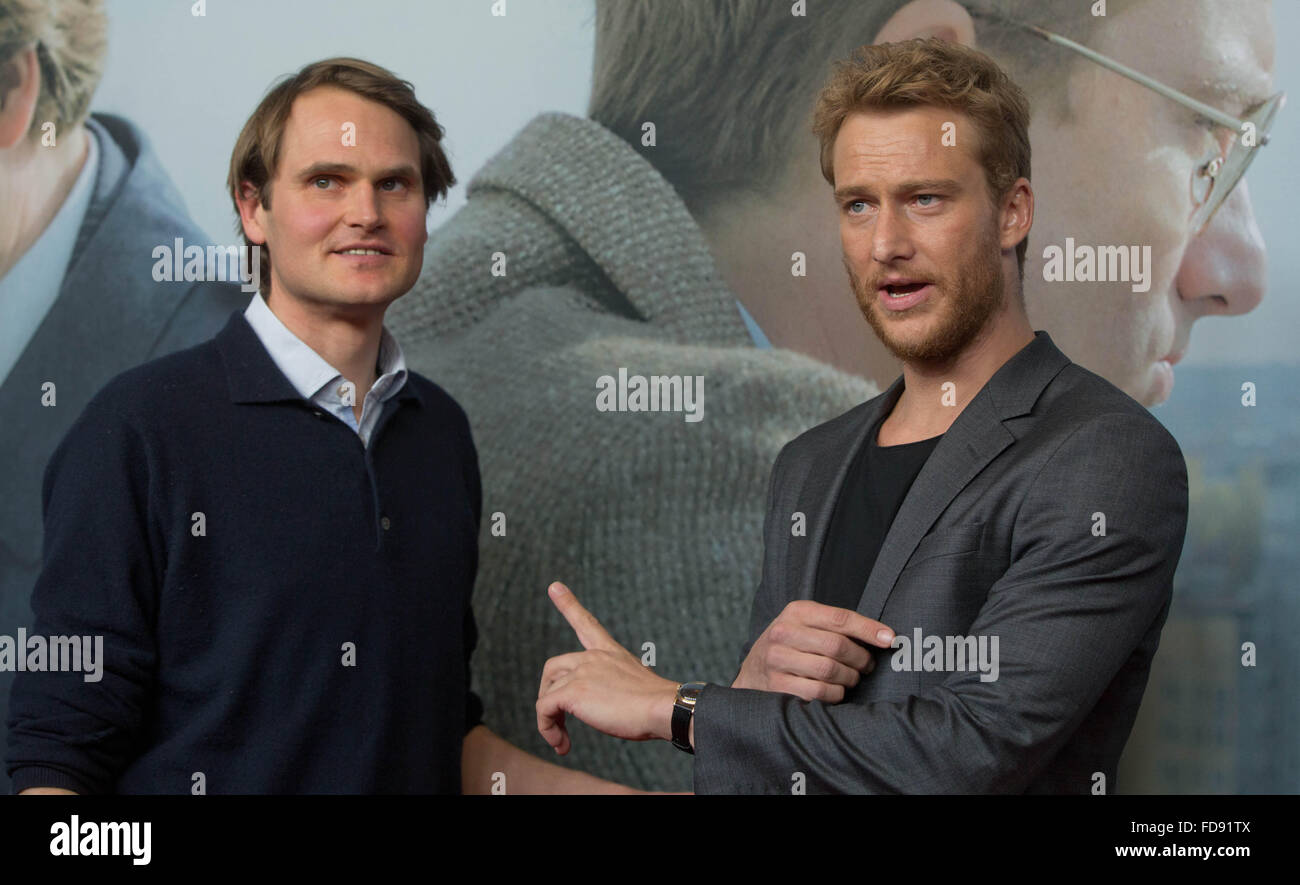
<point>683,710</point>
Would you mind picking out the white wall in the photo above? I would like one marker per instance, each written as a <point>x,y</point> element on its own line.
<point>191,82</point>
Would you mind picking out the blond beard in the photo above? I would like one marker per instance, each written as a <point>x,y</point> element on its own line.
<point>968,306</point>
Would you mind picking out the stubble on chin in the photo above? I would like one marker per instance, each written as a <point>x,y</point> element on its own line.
<point>964,308</point>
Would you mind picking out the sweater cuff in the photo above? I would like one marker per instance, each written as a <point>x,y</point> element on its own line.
<point>38,776</point>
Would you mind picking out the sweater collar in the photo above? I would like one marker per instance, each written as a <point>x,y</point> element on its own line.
<point>307,370</point>
<point>589,195</point>
<point>253,376</point>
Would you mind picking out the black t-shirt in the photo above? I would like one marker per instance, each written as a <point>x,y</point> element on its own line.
<point>873,491</point>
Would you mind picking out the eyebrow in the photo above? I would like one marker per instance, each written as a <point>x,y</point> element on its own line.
<point>908,187</point>
<point>318,169</point>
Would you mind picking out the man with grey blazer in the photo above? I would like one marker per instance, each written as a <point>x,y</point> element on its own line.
<point>1002,520</point>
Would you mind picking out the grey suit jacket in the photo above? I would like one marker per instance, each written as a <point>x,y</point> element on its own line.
<point>110,315</point>
<point>1051,516</point>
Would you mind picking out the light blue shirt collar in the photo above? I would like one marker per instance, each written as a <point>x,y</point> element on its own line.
<point>760,339</point>
<point>32,285</point>
<point>319,382</point>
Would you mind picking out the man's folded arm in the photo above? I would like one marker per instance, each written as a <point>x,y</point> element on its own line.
<point>99,578</point>
<point>1068,613</point>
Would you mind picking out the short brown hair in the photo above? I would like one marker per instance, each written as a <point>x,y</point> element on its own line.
<point>257,151</point>
<point>938,73</point>
<point>71,38</point>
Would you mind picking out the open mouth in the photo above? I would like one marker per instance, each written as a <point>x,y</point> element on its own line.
<point>903,296</point>
<point>904,289</point>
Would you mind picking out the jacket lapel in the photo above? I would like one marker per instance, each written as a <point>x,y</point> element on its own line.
<point>107,318</point>
<point>977,437</point>
<point>68,349</point>
<point>821,488</point>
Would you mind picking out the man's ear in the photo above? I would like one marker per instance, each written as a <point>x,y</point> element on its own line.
<point>944,19</point>
<point>1017,214</point>
<point>251,213</point>
<point>20,86</point>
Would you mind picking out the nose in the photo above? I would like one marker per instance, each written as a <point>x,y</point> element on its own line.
<point>889,237</point>
<point>363,206</point>
<point>1224,269</point>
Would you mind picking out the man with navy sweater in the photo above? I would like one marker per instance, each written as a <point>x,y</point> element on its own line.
<point>275,533</point>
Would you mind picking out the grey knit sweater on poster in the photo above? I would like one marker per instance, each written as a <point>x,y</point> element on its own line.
<point>654,521</point>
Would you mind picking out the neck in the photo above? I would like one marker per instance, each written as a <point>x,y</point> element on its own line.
<point>34,183</point>
<point>936,392</point>
<point>346,339</point>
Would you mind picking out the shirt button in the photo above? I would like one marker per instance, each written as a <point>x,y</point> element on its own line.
<point>318,414</point>
<point>385,522</point>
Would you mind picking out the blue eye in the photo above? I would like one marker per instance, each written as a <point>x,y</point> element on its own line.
<point>927,197</point>
<point>855,204</point>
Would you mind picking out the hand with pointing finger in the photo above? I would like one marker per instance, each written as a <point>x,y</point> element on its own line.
<point>605,686</point>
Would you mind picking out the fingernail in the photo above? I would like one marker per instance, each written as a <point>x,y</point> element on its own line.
<point>885,636</point>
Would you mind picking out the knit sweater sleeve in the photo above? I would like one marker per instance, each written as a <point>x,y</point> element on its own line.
<point>99,581</point>
<point>768,598</point>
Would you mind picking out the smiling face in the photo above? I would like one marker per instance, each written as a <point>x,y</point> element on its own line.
<point>1118,173</point>
<point>918,230</point>
<point>329,199</point>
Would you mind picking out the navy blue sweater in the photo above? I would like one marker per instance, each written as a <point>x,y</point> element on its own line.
<point>283,609</point>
